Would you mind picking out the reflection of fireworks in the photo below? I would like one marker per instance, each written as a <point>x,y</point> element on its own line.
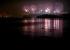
<point>43,26</point>
<point>47,24</point>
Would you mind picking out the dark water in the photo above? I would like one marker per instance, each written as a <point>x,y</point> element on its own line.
<point>11,29</point>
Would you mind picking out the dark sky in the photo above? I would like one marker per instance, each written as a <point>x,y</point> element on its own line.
<point>14,6</point>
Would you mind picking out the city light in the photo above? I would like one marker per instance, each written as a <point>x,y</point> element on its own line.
<point>56,11</point>
<point>45,8</point>
<point>26,10</point>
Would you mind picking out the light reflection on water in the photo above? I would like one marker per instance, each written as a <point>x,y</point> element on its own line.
<point>43,27</point>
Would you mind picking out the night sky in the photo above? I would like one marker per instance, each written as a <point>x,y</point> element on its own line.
<point>13,7</point>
